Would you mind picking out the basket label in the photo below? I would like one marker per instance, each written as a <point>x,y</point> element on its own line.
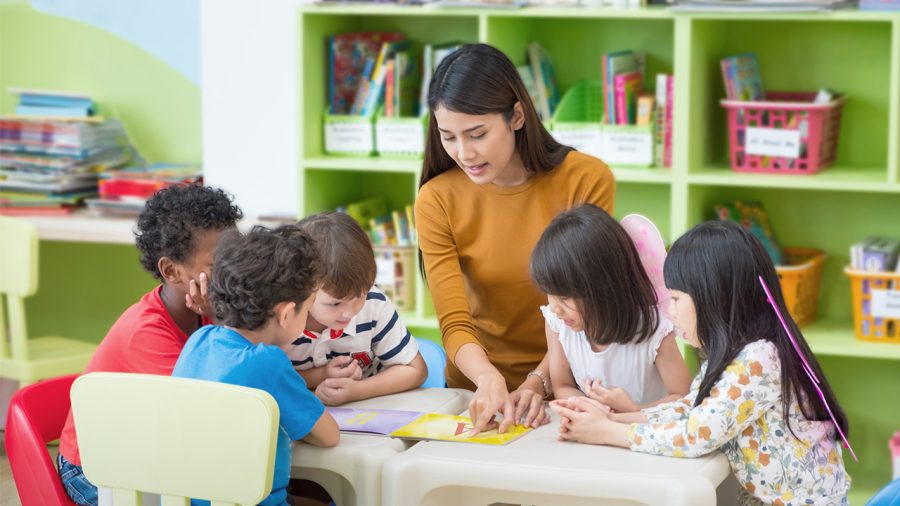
<point>400,137</point>
<point>625,148</point>
<point>348,137</point>
<point>886,303</point>
<point>587,140</point>
<point>772,142</point>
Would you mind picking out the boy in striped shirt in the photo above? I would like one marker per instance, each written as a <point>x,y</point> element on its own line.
<point>355,346</point>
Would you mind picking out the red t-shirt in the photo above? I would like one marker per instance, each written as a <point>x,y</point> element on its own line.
<point>145,339</point>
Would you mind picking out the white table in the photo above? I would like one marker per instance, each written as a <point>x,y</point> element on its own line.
<point>539,469</point>
<point>351,471</point>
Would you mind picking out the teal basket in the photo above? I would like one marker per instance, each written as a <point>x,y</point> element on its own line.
<point>348,135</point>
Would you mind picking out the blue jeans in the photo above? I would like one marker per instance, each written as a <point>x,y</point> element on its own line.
<point>76,483</point>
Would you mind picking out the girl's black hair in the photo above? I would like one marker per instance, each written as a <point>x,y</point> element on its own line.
<point>717,263</point>
<point>585,254</point>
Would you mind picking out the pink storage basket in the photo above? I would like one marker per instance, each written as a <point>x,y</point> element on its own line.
<point>818,125</point>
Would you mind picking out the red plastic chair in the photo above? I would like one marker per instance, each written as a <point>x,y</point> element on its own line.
<point>36,416</point>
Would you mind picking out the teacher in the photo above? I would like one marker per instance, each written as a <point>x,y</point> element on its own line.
<point>492,180</point>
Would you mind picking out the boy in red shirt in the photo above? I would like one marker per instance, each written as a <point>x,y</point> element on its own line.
<point>176,235</point>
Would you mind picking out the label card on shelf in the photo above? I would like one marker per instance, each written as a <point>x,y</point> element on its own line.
<point>628,148</point>
<point>348,137</point>
<point>886,303</point>
<point>772,142</point>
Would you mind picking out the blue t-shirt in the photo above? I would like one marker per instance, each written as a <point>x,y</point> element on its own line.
<point>219,354</point>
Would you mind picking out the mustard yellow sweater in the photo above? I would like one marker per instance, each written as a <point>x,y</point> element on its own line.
<point>476,242</point>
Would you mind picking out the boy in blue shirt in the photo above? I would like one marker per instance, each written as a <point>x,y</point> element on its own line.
<point>262,286</point>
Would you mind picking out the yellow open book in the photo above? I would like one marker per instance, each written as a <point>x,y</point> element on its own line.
<point>433,426</point>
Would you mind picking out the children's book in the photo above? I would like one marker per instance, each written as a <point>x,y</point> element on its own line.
<point>742,78</point>
<point>438,427</point>
<point>371,421</point>
<point>626,88</point>
<point>347,56</point>
<point>545,80</point>
<point>613,64</point>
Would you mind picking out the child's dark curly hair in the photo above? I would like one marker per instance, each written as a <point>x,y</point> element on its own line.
<point>254,272</point>
<point>172,216</point>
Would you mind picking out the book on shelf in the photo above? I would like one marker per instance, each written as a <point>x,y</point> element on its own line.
<point>375,91</point>
<point>432,55</point>
<point>545,83</point>
<point>742,78</point>
<point>627,87</point>
<point>612,65</point>
<point>348,54</point>
<point>47,103</point>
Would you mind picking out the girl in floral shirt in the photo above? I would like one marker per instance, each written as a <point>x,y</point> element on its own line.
<point>751,399</point>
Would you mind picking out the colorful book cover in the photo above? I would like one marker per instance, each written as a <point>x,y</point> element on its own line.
<point>743,80</point>
<point>627,88</point>
<point>347,55</point>
<point>365,210</point>
<point>375,93</point>
<point>544,74</point>
<point>645,107</point>
<point>409,79</point>
<point>438,427</point>
<point>371,421</point>
<point>389,88</point>
<point>670,106</point>
<point>620,62</point>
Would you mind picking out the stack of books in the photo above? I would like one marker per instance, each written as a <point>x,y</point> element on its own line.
<point>53,104</point>
<point>124,192</point>
<point>876,254</point>
<point>47,166</point>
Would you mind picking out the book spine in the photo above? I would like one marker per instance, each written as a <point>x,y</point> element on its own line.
<point>389,89</point>
<point>621,98</point>
<point>667,140</point>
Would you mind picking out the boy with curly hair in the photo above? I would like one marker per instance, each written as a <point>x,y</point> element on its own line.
<point>263,284</point>
<point>176,235</point>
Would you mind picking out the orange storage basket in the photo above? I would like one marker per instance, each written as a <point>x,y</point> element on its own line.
<point>800,280</point>
<point>869,326</point>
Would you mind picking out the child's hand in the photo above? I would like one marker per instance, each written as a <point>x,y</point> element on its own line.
<point>581,420</point>
<point>335,391</point>
<point>197,299</point>
<point>615,398</point>
<point>343,366</point>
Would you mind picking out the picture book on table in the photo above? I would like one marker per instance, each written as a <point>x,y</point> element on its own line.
<point>371,421</point>
<point>438,427</point>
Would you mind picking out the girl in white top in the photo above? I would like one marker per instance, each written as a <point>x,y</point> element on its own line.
<point>606,336</point>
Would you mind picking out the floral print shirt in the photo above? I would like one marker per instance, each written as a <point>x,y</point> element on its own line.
<point>742,416</point>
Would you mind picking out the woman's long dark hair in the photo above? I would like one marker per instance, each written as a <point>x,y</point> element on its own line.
<point>717,264</point>
<point>586,254</point>
<point>479,79</point>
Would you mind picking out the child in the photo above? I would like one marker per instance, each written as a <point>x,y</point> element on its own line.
<point>262,286</point>
<point>354,345</point>
<point>752,398</point>
<point>176,234</point>
<point>605,335</point>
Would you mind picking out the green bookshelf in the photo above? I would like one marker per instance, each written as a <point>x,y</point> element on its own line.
<point>856,53</point>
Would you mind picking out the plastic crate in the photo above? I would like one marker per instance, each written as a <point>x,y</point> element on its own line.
<point>876,305</point>
<point>396,274</point>
<point>349,135</point>
<point>785,134</point>
<point>400,137</point>
<point>578,122</point>
<point>800,280</point>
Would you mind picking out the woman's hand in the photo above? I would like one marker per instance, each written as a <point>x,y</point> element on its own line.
<point>582,420</point>
<point>615,398</point>
<point>528,406</point>
<point>490,396</point>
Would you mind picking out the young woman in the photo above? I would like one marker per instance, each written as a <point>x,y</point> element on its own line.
<point>492,180</point>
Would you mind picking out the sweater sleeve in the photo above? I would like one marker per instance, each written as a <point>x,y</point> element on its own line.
<point>602,190</point>
<point>443,272</point>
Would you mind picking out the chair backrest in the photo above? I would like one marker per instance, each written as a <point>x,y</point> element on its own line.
<point>18,279</point>
<point>436,360</point>
<point>36,416</point>
<point>175,437</point>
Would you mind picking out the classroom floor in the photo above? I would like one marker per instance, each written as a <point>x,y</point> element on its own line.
<point>8,494</point>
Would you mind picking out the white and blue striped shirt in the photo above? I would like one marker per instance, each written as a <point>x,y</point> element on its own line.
<point>376,338</point>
